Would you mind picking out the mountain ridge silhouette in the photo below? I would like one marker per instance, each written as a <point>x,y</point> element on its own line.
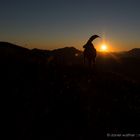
<point>9,45</point>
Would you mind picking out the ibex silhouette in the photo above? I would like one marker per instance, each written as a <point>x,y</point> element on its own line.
<point>90,51</point>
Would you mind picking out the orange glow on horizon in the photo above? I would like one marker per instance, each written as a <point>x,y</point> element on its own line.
<point>103,48</point>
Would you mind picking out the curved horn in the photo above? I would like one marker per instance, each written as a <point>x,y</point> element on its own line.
<point>93,37</point>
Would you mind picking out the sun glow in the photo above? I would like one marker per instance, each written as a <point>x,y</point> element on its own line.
<point>104,48</point>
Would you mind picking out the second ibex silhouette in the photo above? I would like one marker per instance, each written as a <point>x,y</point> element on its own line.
<point>90,51</point>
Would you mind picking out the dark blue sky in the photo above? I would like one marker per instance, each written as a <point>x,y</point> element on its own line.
<point>49,24</point>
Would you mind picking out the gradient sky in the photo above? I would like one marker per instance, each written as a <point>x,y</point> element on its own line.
<point>49,24</point>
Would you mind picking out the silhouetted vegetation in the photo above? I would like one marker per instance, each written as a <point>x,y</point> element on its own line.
<point>52,95</point>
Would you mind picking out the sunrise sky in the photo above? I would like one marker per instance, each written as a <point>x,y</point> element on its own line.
<point>50,24</point>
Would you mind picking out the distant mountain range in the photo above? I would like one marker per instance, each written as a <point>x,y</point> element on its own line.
<point>9,52</point>
<point>134,52</point>
<point>7,45</point>
<point>69,55</point>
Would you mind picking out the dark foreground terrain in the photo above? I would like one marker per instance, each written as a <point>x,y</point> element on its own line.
<point>52,95</point>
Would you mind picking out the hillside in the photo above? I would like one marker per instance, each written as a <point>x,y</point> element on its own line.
<point>134,52</point>
<point>46,98</point>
